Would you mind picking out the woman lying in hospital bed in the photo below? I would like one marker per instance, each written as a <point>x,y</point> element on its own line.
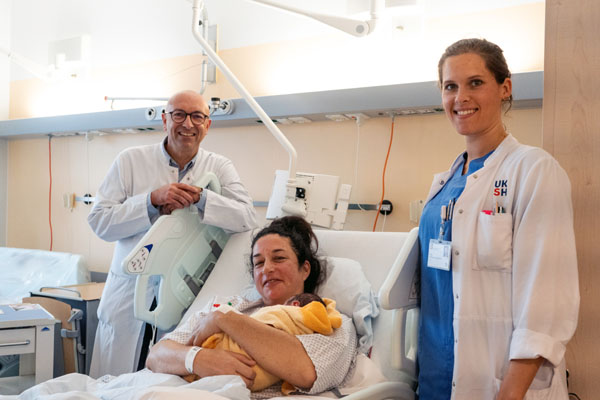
<point>283,263</point>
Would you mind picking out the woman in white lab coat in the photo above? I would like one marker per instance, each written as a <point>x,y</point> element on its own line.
<point>499,284</point>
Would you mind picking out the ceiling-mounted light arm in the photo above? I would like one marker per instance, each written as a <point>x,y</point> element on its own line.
<point>197,7</point>
<point>204,24</point>
<point>32,67</point>
<point>351,26</point>
<point>377,7</point>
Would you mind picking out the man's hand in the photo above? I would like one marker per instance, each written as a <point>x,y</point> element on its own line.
<point>167,209</point>
<point>174,196</point>
<point>211,362</point>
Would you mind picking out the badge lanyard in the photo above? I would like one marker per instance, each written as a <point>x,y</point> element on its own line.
<point>440,250</point>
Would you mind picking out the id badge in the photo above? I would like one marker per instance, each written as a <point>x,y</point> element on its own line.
<point>439,254</point>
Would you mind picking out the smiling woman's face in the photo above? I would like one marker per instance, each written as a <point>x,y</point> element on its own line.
<point>471,96</point>
<point>277,275</point>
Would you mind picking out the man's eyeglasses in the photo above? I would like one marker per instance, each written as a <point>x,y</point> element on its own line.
<point>196,117</point>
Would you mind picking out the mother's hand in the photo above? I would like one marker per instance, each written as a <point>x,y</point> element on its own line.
<point>206,327</point>
<point>211,362</point>
<point>168,357</point>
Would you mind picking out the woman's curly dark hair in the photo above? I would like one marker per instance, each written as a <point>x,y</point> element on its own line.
<point>304,243</point>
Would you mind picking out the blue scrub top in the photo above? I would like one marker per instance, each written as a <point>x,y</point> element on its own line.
<point>436,335</point>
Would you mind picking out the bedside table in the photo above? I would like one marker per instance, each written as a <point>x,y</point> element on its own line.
<point>28,330</point>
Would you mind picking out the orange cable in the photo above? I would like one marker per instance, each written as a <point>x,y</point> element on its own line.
<point>50,189</point>
<point>383,176</point>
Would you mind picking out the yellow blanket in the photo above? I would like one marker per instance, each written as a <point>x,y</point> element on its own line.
<point>311,318</point>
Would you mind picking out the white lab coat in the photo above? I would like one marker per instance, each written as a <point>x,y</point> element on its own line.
<point>514,275</point>
<point>120,213</point>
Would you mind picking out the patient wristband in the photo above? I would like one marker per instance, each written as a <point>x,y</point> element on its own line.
<point>189,358</point>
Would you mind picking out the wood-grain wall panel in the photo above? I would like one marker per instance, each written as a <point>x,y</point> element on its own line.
<point>571,132</point>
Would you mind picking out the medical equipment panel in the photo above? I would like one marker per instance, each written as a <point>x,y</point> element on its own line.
<point>182,252</point>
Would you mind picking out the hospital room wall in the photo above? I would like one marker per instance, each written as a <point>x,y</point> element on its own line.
<point>5,7</point>
<point>422,145</point>
<point>3,189</point>
<point>572,134</point>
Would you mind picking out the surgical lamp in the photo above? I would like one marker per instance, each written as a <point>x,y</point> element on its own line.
<point>303,194</point>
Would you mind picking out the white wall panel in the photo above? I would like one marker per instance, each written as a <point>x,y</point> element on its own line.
<point>5,9</point>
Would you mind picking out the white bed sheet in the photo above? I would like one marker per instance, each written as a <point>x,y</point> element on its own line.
<point>138,385</point>
<point>147,385</point>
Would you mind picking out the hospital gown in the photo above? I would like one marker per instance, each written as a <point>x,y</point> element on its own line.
<point>331,355</point>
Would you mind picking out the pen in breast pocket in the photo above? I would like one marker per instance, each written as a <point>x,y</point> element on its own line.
<point>498,209</point>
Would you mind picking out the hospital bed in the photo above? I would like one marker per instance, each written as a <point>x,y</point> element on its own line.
<point>26,270</point>
<point>389,261</point>
<point>386,260</point>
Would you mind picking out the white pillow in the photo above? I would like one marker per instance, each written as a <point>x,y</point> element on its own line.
<point>347,284</point>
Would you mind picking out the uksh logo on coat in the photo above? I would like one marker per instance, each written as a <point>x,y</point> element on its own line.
<point>501,187</point>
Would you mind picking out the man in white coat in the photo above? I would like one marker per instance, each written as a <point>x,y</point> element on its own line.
<point>143,183</point>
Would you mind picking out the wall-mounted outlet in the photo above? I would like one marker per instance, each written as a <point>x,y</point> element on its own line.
<point>220,107</point>
<point>154,113</point>
<point>337,117</point>
<point>69,201</point>
<point>386,207</point>
<point>283,121</point>
<point>299,120</point>
<point>356,116</point>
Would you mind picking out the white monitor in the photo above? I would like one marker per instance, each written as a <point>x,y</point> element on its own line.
<point>319,198</point>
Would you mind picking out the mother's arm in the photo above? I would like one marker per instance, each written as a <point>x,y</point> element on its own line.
<point>168,356</point>
<point>276,351</point>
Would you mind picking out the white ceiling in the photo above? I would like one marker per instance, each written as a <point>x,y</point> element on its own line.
<point>135,31</point>
<point>252,23</point>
